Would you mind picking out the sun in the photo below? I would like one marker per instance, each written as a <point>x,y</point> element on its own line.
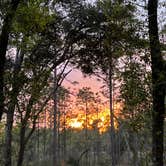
<point>74,123</point>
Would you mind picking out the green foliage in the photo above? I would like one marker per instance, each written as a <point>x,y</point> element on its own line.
<point>107,29</point>
<point>135,93</point>
<point>45,35</point>
<point>31,18</point>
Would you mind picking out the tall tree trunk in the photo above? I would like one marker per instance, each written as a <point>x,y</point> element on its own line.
<point>64,139</point>
<point>22,146</point>
<point>45,134</point>
<point>58,136</point>
<point>112,130</point>
<point>158,81</point>
<point>24,138</point>
<point>86,133</point>
<point>98,142</point>
<point>10,113</point>
<point>55,141</point>
<point>8,138</point>
<point>9,123</point>
<point>4,38</point>
<point>38,141</point>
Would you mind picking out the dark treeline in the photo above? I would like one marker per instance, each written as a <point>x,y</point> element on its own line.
<point>119,42</point>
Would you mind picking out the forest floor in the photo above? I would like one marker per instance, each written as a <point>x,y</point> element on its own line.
<point>124,159</point>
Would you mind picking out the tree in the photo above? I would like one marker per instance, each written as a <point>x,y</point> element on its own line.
<point>86,97</point>
<point>159,85</point>
<point>55,128</point>
<point>37,40</point>
<point>136,99</point>
<point>64,109</point>
<point>4,39</point>
<point>24,53</point>
<point>108,34</point>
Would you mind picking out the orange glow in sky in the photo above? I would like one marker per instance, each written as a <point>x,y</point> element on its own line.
<point>77,119</point>
<point>95,120</point>
<point>74,123</point>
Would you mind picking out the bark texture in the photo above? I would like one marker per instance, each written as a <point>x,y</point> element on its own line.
<point>22,146</point>
<point>158,81</point>
<point>16,86</point>
<point>4,38</point>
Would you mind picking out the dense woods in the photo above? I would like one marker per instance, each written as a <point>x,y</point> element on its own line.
<point>48,116</point>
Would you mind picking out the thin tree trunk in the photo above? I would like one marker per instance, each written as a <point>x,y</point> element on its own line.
<point>22,147</point>
<point>64,144</point>
<point>8,139</point>
<point>58,137</point>
<point>38,141</point>
<point>45,132</point>
<point>55,122</point>
<point>158,81</point>
<point>86,132</point>
<point>24,138</point>
<point>112,132</point>
<point>9,123</point>
<point>10,118</point>
<point>10,113</point>
<point>98,139</point>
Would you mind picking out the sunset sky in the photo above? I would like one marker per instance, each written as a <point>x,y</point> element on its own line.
<point>83,81</point>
